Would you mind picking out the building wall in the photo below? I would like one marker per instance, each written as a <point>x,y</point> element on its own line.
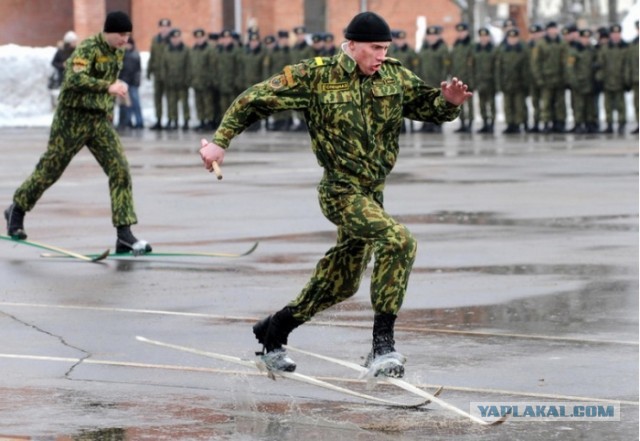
<point>35,22</point>
<point>44,22</point>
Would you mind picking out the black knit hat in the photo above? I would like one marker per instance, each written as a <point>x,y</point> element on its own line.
<point>117,22</point>
<point>368,26</point>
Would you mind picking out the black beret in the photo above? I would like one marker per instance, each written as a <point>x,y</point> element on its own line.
<point>164,22</point>
<point>513,32</point>
<point>508,22</point>
<point>462,27</point>
<point>615,28</point>
<point>175,33</point>
<point>586,33</point>
<point>572,28</point>
<point>283,34</point>
<point>317,38</point>
<point>213,36</point>
<point>199,33</point>
<point>328,37</point>
<point>368,26</point>
<point>299,30</point>
<point>269,39</point>
<point>483,31</point>
<point>226,33</point>
<point>551,24</point>
<point>433,30</point>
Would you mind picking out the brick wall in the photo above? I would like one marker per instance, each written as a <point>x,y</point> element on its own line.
<point>44,22</point>
<point>35,22</point>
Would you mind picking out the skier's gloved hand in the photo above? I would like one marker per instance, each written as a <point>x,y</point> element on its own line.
<point>210,153</point>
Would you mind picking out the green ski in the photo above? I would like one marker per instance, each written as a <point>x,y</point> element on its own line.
<point>61,252</point>
<point>125,256</point>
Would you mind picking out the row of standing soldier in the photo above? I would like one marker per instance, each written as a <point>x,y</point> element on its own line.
<point>218,68</point>
<point>540,69</point>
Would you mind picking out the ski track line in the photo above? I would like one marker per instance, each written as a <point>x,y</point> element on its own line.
<point>329,323</point>
<point>338,379</point>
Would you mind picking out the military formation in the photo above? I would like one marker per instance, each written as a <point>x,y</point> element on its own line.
<point>534,77</point>
<point>218,67</point>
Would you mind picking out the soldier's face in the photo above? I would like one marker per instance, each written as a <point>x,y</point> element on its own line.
<point>369,55</point>
<point>117,39</point>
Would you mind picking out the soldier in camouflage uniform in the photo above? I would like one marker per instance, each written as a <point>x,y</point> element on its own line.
<point>548,68</point>
<point>227,69</point>
<point>462,67</point>
<point>214,82</point>
<point>633,75</point>
<point>84,117</point>
<point>354,103</point>
<point>536,32</point>
<point>401,51</point>
<point>252,65</point>
<point>434,65</point>
<point>280,57</point>
<point>484,73</point>
<point>512,77</point>
<point>580,74</point>
<point>200,73</point>
<point>177,75</point>
<point>612,60</point>
<point>154,67</point>
<point>300,51</point>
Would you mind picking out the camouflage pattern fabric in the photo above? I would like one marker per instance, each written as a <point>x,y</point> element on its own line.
<point>83,117</point>
<point>354,123</point>
<point>154,67</point>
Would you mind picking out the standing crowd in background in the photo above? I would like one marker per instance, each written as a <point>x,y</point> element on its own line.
<point>596,68</point>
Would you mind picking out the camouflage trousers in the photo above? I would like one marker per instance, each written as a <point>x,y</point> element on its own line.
<point>364,229</point>
<point>71,130</point>
<point>204,104</point>
<point>514,104</point>
<point>159,92</point>
<point>614,102</point>
<point>178,97</point>
<point>554,108</point>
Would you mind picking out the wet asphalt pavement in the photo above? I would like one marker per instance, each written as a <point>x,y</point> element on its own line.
<point>525,289</point>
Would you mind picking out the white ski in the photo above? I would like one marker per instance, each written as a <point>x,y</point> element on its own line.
<point>404,385</point>
<point>289,375</point>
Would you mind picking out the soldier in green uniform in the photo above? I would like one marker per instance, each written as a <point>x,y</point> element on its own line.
<point>484,74</point>
<point>536,32</point>
<point>434,65</point>
<point>401,51</point>
<point>200,73</point>
<point>177,75</point>
<point>354,103</point>
<point>214,82</point>
<point>580,74</point>
<point>280,57</point>
<point>84,116</point>
<point>612,60</point>
<point>251,65</point>
<point>513,76</point>
<point>632,76</point>
<point>228,68</point>
<point>154,67</point>
<point>300,50</point>
<point>462,67</point>
<point>548,68</point>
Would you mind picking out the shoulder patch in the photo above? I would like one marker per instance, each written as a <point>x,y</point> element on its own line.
<point>79,64</point>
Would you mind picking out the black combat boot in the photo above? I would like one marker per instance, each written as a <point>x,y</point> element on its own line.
<point>383,358</point>
<point>14,216</point>
<point>128,243</point>
<point>272,332</point>
<point>609,129</point>
<point>156,126</point>
<point>621,127</point>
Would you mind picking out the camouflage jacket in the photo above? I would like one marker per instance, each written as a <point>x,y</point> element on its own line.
<point>154,66</point>
<point>354,121</point>
<point>549,62</point>
<point>92,68</point>
<point>612,60</point>
<point>176,66</point>
<point>434,62</point>
<point>581,64</point>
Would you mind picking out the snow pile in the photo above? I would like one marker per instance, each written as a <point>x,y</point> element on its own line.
<point>26,100</point>
<point>23,81</point>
